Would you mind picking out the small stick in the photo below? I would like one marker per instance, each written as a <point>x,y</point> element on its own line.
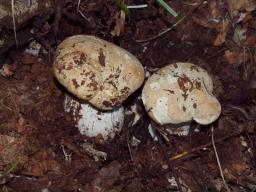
<point>129,148</point>
<point>14,24</point>
<point>80,12</point>
<point>78,5</point>
<point>170,165</point>
<point>137,6</point>
<point>68,157</point>
<point>216,53</point>
<point>57,18</point>
<point>128,142</point>
<point>218,162</point>
<point>163,32</point>
<point>247,116</point>
<point>185,153</point>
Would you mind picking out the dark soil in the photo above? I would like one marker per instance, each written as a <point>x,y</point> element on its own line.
<point>36,135</point>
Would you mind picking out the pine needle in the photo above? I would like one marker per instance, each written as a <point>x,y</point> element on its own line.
<point>218,162</point>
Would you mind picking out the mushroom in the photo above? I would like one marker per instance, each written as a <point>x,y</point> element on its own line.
<point>97,71</point>
<point>180,92</point>
<point>100,76</point>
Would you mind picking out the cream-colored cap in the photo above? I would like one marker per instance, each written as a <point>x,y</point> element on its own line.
<point>180,92</point>
<point>97,71</point>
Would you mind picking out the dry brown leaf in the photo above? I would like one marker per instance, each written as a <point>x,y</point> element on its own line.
<point>6,70</point>
<point>118,29</point>
<point>6,140</point>
<point>250,41</point>
<point>232,57</point>
<point>203,21</point>
<point>27,59</point>
<point>235,6</point>
<point>253,24</point>
<point>41,162</point>
<point>221,37</point>
<point>246,19</point>
<point>107,177</point>
<point>13,151</point>
<point>215,13</point>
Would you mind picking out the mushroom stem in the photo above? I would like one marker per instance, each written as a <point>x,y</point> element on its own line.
<point>93,122</point>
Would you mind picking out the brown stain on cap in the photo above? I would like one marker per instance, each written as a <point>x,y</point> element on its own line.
<point>102,58</point>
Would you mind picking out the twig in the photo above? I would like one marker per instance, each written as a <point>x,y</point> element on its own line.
<point>244,64</point>
<point>163,32</point>
<point>185,153</point>
<point>78,5</point>
<point>129,148</point>
<point>57,18</point>
<point>81,13</point>
<point>14,24</point>
<point>137,6</point>
<point>247,116</point>
<point>170,28</point>
<point>215,54</point>
<point>170,165</point>
<point>218,162</point>
<point>68,157</point>
<point>44,43</point>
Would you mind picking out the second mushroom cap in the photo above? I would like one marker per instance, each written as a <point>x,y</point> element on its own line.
<point>180,92</point>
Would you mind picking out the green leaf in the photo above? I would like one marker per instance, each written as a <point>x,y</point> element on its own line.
<point>167,8</point>
<point>123,7</point>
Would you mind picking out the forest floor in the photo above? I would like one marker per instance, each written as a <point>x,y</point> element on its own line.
<point>42,150</point>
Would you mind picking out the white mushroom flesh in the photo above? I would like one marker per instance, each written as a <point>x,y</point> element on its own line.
<point>92,122</point>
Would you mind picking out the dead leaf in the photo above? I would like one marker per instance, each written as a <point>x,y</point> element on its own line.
<point>253,24</point>
<point>239,35</point>
<point>221,37</point>
<point>13,151</point>
<point>214,9</point>
<point>246,19</point>
<point>27,59</point>
<point>250,41</point>
<point>41,162</point>
<point>6,140</point>
<point>6,70</point>
<point>203,21</point>
<point>234,6</point>
<point>118,29</point>
<point>107,176</point>
<point>232,57</point>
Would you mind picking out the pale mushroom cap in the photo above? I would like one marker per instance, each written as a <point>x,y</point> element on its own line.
<point>94,123</point>
<point>180,92</point>
<point>97,71</point>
